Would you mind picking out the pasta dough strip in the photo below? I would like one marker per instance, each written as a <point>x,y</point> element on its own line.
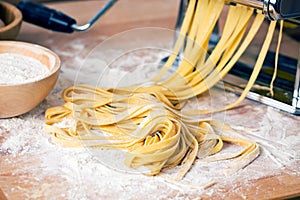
<point>147,122</point>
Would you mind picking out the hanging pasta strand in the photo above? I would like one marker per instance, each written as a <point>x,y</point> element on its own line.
<point>147,122</point>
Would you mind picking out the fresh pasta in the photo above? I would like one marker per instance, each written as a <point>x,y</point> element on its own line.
<point>148,122</point>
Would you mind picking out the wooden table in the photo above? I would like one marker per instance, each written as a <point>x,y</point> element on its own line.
<point>19,168</point>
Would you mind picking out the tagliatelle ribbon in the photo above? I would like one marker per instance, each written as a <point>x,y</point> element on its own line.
<point>147,122</point>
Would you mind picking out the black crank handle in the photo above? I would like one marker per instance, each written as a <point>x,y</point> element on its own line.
<point>45,17</point>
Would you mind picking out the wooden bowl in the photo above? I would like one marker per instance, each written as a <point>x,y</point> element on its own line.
<point>12,18</point>
<point>21,98</point>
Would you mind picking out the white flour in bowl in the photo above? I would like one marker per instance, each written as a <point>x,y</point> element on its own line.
<point>18,69</point>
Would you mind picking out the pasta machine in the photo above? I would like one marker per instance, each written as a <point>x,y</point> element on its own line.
<point>287,83</point>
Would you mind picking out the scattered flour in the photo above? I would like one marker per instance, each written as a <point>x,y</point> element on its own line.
<point>44,170</point>
<point>82,173</point>
<point>18,69</point>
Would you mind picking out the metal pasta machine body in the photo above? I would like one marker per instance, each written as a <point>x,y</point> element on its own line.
<point>287,83</point>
